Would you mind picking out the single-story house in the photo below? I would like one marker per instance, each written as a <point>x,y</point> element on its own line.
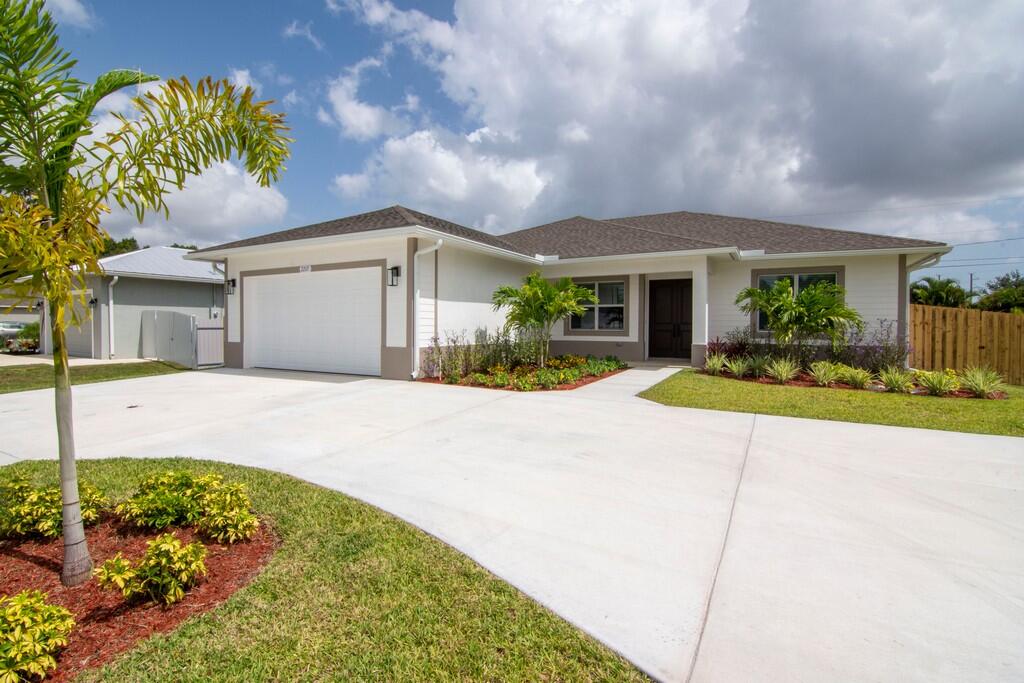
<point>150,279</point>
<point>366,294</point>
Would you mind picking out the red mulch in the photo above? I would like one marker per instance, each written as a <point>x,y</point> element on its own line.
<point>804,379</point>
<point>105,625</point>
<point>560,387</point>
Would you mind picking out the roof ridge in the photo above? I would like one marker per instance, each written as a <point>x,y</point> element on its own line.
<point>780,223</point>
<point>404,212</point>
<point>659,232</point>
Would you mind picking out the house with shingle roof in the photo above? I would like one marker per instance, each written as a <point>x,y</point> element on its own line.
<point>366,294</point>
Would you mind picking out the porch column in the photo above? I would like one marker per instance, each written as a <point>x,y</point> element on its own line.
<point>700,312</point>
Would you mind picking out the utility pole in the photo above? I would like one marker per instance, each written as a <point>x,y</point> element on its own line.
<point>970,290</point>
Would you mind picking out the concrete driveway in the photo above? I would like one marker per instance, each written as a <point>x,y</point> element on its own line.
<point>703,546</point>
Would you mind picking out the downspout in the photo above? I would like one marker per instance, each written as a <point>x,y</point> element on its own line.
<point>416,303</point>
<point>110,312</point>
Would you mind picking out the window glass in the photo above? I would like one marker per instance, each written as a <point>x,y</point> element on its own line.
<point>766,282</point>
<point>611,293</point>
<point>809,279</point>
<point>611,317</point>
<point>583,322</point>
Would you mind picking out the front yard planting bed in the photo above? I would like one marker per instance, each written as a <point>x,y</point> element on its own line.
<point>693,389</point>
<point>105,624</point>
<point>559,374</point>
<point>351,593</point>
<point>40,376</point>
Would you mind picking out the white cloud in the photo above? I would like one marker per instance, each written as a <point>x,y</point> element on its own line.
<point>357,119</point>
<point>333,6</point>
<point>243,78</point>
<point>297,30</point>
<point>291,98</point>
<point>731,107</point>
<point>270,73</point>
<point>214,207</point>
<point>73,12</point>
<point>439,175</point>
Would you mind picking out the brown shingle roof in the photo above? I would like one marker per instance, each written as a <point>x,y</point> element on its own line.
<point>773,237</point>
<point>382,219</point>
<point>580,237</point>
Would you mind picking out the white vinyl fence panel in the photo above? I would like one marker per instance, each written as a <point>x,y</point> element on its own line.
<point>177,338</point>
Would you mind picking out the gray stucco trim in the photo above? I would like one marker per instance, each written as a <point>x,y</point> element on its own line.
<point>625,350</point>
<point>394,361</point>
<point>901,299</point>
<point>756,273</point>
<point>624,332</point>
<point>697,354</point>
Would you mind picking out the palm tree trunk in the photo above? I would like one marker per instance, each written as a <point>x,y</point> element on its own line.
<point>77,561</point>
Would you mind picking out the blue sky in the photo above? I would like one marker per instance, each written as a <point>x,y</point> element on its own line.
<point>874,115</point>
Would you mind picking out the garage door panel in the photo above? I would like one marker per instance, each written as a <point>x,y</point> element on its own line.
<point>326,321</point>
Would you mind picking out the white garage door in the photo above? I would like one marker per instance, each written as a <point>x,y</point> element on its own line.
<point>325,321</point>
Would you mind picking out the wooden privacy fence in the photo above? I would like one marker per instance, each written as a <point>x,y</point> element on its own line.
<point>957,338</point>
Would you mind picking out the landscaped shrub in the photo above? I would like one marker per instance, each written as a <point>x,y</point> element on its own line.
<point>547,378</point>
<point>25,511</point>
<point>524,383</point>
<point>857,378</point>
<point>163,574</point>
<point>738,365</point>
<point>782,369</point>
<point>714,363</point>
<point>937,383</point>
<point>567,361</point>
<point>217,510</point>
<point>982,382</point>
<point>31,633</point>
<point>883,348</point>
<point>759,365</point>
<point>896,379</point>
<point>825,373</point>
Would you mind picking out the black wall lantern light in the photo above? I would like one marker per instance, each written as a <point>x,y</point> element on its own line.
<point>394,272</point>
<point>229,286</point>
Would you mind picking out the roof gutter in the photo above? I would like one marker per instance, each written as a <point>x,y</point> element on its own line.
<point>555,260</point>
<point>416,304</point>
<point>759,255</point>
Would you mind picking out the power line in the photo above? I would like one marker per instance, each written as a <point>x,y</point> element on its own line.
<point>979,259</point>
<point>969,244</point>
<point>895,208</point>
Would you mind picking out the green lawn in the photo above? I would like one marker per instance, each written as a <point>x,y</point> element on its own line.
<point>26,377</point>
<point>697,390</point>
<point>352,594</point>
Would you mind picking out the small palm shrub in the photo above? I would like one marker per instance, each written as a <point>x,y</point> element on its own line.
<point>982,382</point>
<point>825,373</point>
<point>31,633</point>
<point>217,510</point>
<point>759,365</point>
<point>164,573</point>
<point>25,511</point>
<point>856,378</point>
<point>937,383</point>
<point>714,363</point>
<point>782,369</point>
<point>896,380</point>
<point>738,366</point>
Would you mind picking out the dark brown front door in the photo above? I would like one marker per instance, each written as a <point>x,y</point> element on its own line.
<point>671,315</point>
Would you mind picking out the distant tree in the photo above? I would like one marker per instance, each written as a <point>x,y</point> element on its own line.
<point>1004,293</point>
<point>112,247</point>
<point>938,291</point>
<point>190,247</point>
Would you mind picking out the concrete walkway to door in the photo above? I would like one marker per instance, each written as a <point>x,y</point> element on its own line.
<point>705,546</point>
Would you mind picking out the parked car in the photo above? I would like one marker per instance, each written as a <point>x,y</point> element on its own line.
<point>10,329</point>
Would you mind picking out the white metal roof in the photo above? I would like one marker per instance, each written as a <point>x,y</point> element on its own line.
<point>165,263</point>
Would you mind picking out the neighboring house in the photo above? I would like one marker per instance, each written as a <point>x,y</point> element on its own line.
<point>151,279</point>
<point>366,294</point>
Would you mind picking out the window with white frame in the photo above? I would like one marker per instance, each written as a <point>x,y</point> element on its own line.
<point>798,281</point>
<point>609,313</point>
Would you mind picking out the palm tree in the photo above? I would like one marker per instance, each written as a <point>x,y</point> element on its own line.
<point>819,310</point>
<point>56,175</point>
<point>938,291</point>
<point>535,307</point>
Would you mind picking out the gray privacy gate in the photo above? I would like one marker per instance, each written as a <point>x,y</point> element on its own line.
<point>182,339</point>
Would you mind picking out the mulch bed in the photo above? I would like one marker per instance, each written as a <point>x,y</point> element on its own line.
<point>804,379</point>
<point>105,625</point>
<point>560,387</point>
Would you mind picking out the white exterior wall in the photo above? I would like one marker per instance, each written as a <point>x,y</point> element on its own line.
<point>466,280</point>
<point>872,287</point>
<point>393,250</point>
<point>427,273</point>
